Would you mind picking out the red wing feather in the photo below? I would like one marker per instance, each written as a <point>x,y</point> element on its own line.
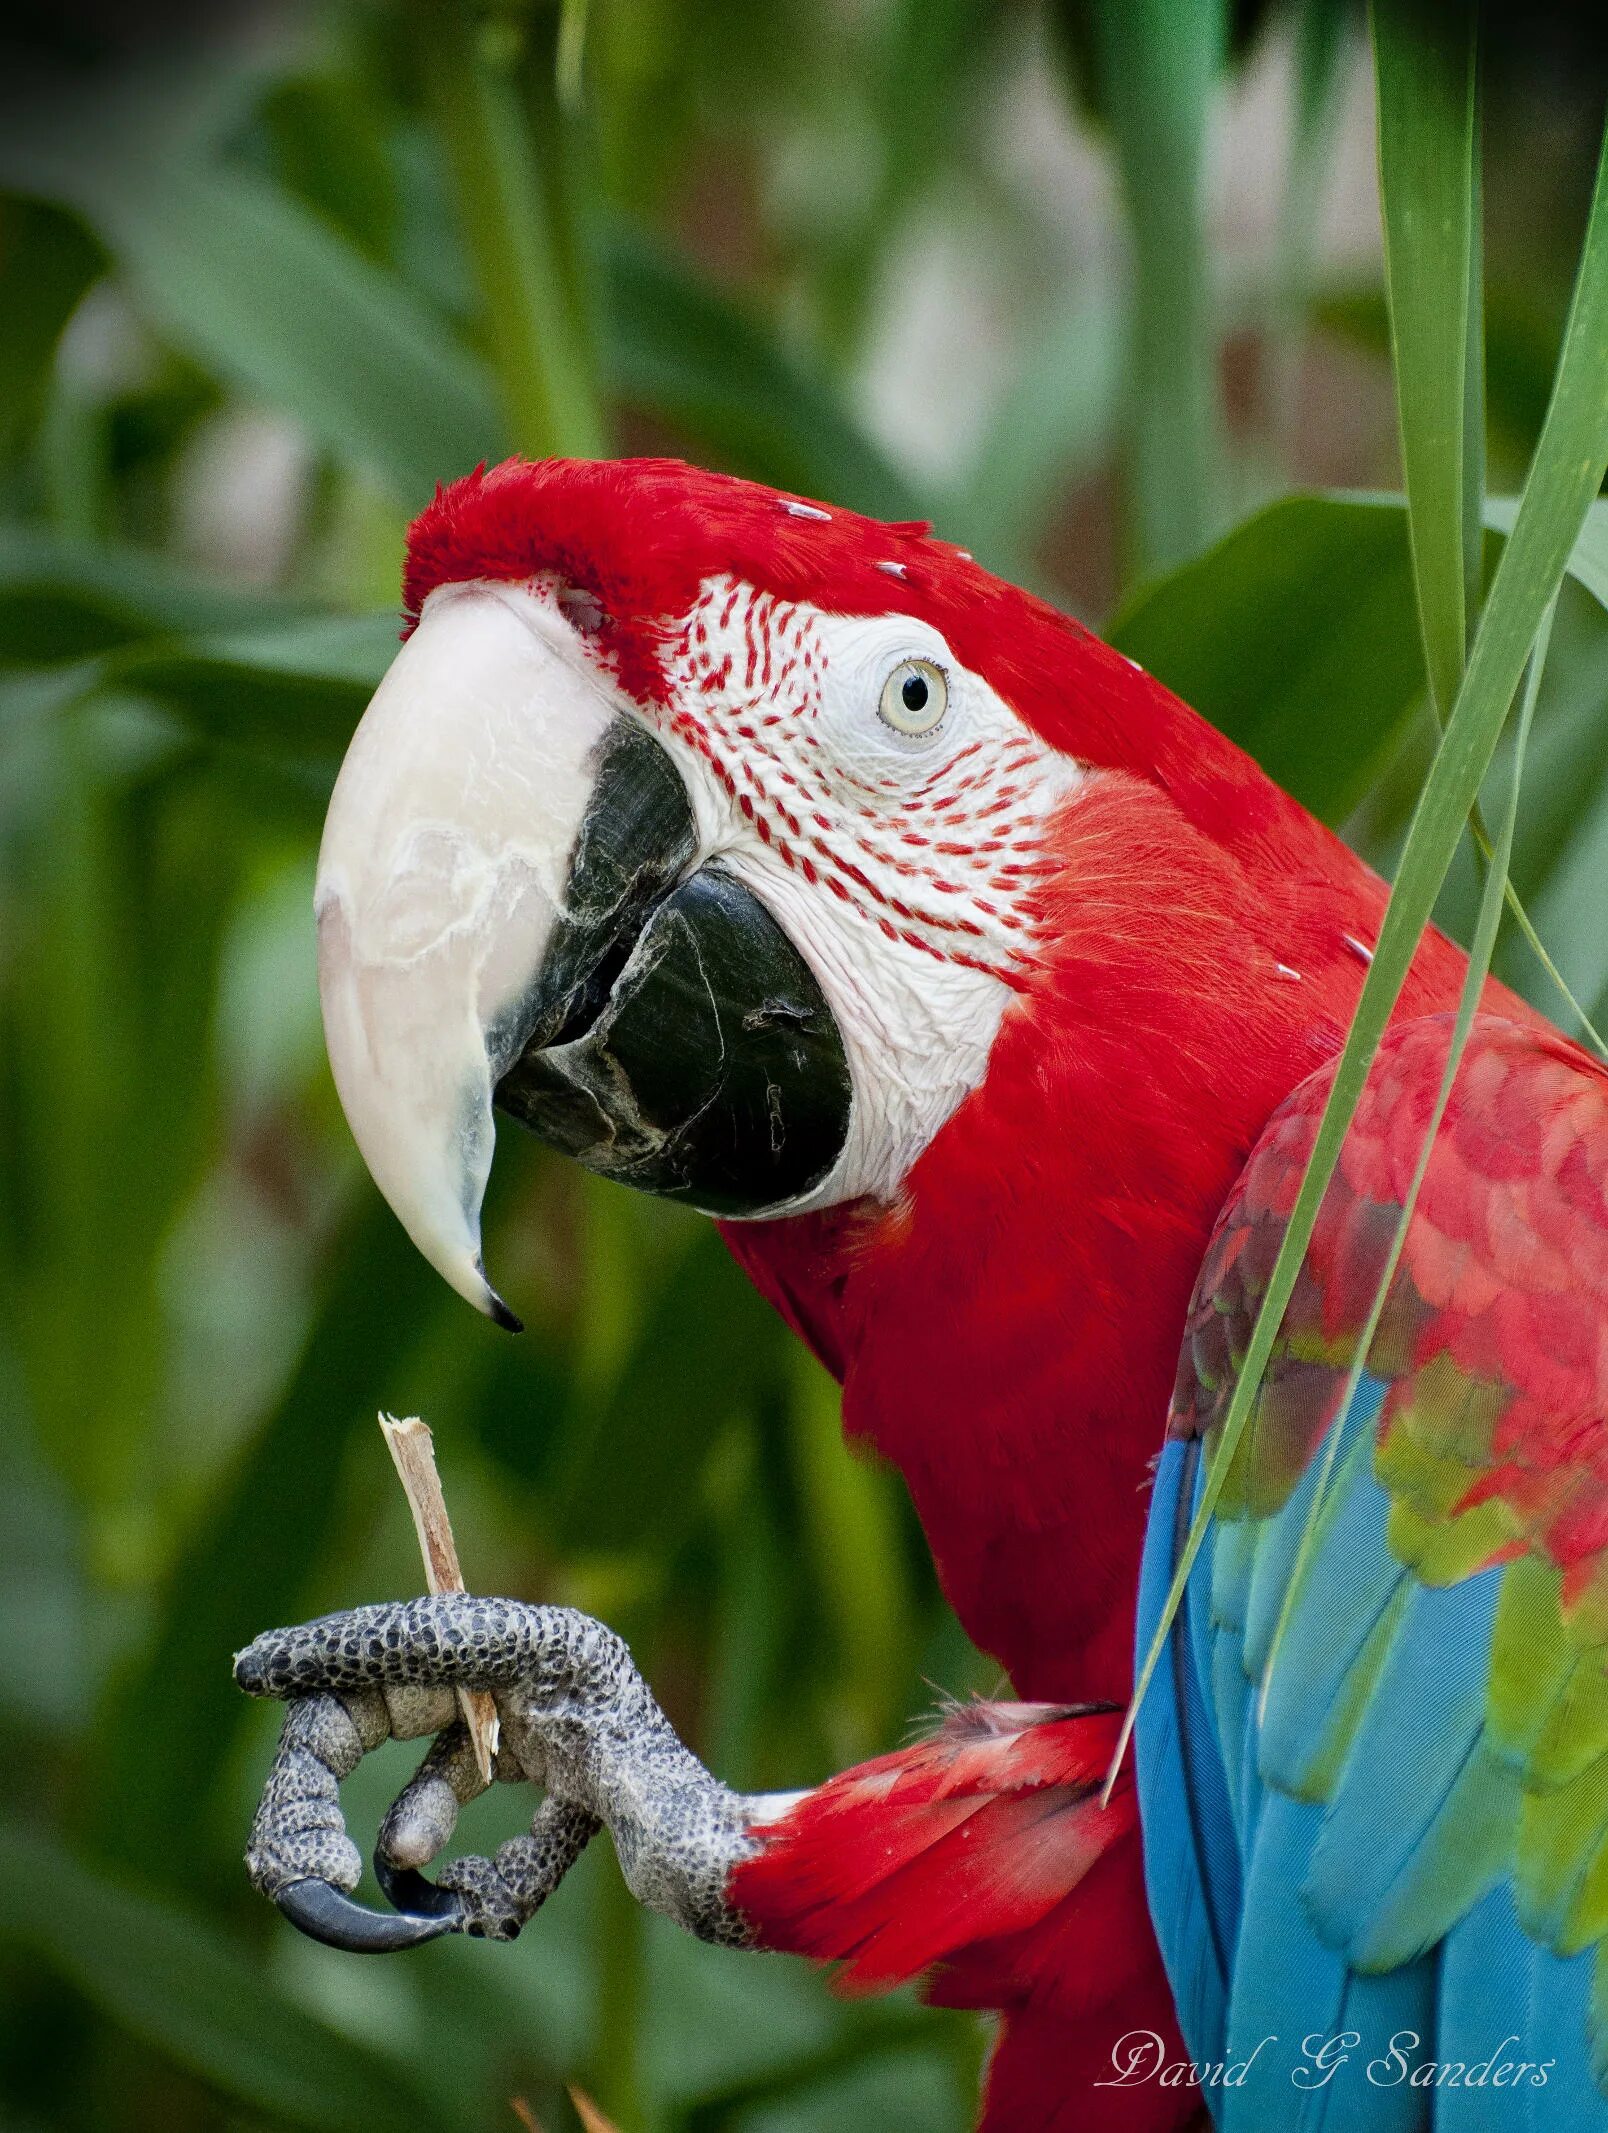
<point>980,1860</point>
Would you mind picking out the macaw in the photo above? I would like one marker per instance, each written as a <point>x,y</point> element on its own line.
<point>788,864</point>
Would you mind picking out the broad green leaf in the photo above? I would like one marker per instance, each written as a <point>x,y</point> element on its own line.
<point>1428,198</point>
<point>1565,475</point>
<point>295,691</point>
<point>1566,773</point>
<point>262,290</point>
<point>66,600</point>
<point>1160,66</point>
<point>253,678</point>
<point>1296,636</point>
<point>167,1975</point>
<point>256,287</point>
<point>237,669</point>
<point>1588,559</point>
<point>1568,905</point>
<point>676,345</point>
<point>329,134</point>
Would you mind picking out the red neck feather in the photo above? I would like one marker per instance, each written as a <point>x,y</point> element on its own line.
<point>1008,1336</point>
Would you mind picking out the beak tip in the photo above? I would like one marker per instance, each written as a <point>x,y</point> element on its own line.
<point>494,1307</point>
<point>500,1315</point>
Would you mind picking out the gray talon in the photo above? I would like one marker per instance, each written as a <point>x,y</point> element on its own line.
<point>326,1913</point>
<point>408,1891</point>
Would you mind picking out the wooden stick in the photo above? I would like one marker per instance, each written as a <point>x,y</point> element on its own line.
<point>589,2114</point>
<point>412,1452</point>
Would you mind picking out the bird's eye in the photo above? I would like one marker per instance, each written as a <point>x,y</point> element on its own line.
<point>915,697</point>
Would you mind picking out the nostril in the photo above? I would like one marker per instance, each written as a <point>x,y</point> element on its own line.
<point>582,609</point>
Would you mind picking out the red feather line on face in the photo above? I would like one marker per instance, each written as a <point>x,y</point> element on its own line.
<point>965,900</point>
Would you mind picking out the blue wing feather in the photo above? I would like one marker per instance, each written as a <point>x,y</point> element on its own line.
<point>1380,1735</point>
<point>1288,1919</point>
<point>1374,1878</point>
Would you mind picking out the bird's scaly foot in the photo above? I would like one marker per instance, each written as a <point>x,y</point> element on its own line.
<point>577,1720</point>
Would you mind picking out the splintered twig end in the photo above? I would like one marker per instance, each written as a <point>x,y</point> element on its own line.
<point>412,1450</point>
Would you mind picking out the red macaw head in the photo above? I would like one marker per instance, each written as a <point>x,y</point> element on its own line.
<point>713,834</point>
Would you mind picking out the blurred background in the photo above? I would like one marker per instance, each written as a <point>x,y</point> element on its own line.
<point>1096,288</point>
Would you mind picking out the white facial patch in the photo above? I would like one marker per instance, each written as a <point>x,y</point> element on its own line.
<point>900,865</point>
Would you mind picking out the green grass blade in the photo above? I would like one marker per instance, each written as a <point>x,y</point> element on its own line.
<point>1538,948</point>
<point>1474,388</point>
<point>1427,186</point>
<point>1295,635</point>
<point>1322,43</point>
<point>1159,66</point>
<point>291,693</point>
<point>66,599</point>
<point>1479,967</point>
<point>1588,559</point>
<point>1310,601</point>
<point>1566,473</point>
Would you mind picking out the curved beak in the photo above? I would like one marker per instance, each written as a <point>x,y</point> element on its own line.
<point>510,907</point>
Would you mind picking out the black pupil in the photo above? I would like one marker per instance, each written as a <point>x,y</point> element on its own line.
<point>914,692</point>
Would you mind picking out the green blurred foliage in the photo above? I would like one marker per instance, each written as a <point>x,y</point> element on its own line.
<point>259,295</point>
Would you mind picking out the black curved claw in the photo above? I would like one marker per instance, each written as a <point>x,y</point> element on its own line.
<point>415,1897</point>
<point>324,1912</point>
